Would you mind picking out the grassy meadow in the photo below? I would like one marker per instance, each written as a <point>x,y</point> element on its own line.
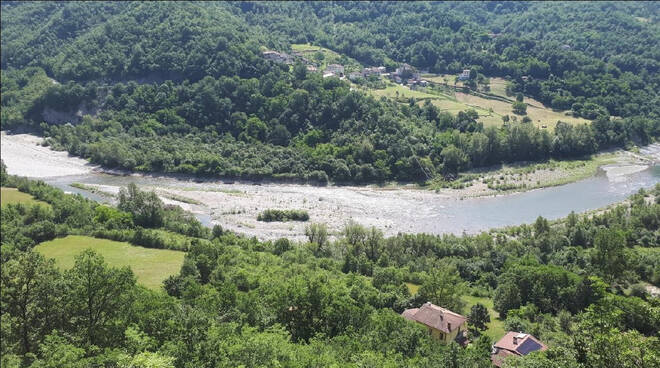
<point>490,111</point>
<point>329,57</point>
<point>151,266</point>
<point>13,195</point>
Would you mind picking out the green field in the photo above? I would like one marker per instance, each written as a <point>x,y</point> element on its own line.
<point>151,266</point>
<point>329,57</point>
<point>490,110</point>
<point>12,195</point>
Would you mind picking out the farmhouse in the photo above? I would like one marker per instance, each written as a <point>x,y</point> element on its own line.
<point>465,75</point>
<point>443,324</point>
<point>515,344</point>
<point>335,69</point>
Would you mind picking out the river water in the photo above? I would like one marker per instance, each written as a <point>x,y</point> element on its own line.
<point>393,212</point>
<point>235,206</point>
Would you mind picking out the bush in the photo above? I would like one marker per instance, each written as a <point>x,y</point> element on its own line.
<point>283,215</point>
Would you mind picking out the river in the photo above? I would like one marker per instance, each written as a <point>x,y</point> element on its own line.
<point>236,205</point>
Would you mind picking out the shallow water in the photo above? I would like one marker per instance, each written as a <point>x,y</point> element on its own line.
<point>236,205</point>
<point>392,210</point>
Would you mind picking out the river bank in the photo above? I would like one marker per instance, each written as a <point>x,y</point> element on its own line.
<point>236,205</point>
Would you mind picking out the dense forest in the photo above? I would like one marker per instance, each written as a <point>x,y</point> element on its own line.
<point>576,283</point>
<point>183,87</point>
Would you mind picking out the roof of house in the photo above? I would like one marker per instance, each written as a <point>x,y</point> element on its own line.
<point>499,356</point>
<point>435,317</point>
<point>520,343</point>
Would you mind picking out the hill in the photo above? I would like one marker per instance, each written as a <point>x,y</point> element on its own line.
<point>185,87</point>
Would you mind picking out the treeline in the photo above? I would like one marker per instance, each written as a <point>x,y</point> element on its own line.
<point>573,283</point>
<point>310,129</point>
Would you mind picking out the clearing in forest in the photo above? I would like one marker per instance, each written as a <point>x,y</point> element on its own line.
<point>13,195</point>
<point>323,57</point>
<point>150,266</point>
<point>490,110</point>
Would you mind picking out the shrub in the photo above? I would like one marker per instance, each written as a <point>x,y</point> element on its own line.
<point>283,215</point>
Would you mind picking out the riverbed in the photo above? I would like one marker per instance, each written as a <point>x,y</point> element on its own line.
<point>235,205</point>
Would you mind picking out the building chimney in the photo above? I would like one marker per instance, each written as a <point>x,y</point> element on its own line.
<point>515,340</point>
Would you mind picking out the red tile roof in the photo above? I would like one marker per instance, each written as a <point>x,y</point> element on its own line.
<point>435,317</point>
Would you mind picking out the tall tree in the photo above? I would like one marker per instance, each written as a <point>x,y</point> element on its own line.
<point>98,296</point>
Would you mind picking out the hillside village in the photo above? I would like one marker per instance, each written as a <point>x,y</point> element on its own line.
<point>405,74</point>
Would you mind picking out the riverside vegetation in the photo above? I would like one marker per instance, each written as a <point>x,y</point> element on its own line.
<point>578,283</point>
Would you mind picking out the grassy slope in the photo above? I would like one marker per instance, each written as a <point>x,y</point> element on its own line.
<point>329,57</point>
<point>490,110</point>
<point>151,266</point>
<point>12,195</point>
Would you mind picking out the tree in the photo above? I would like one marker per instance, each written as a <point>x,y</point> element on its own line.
<point>478,318</point>
<point>519,108</point>
<point>507,296</point>
<point>443,287</point>
<point>453,160</point>
<point>97,298</point>
<point>318,235</point>
<point>30,297</point>
<point>541,226</point>
<point>146,207</point>
<point>3,173</point>
<point>519,97</point>
<point>609,253</point>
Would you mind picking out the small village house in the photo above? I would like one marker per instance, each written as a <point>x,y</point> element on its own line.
<point>443,324</point>
<point>514,344</point>
<point>465,75</point>
<point>334,69</point>
<point>354,76</point>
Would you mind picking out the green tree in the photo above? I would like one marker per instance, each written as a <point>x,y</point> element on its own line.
<point>145,207</point>
<point>608,254</point>
<point>30,299</point>
<point>507,296</point>
<point>519,108</point>
<point>478,318</point>
<point>98,298</point>
<point>453,160</point>
<point>3,173</point>
<point>443,287</point>
<point>317,235</point>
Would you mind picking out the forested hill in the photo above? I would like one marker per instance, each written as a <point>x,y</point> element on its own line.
<point>602,52</point>
<point>184,87</point>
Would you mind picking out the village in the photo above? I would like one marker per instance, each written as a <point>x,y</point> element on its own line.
<point>405,74</point>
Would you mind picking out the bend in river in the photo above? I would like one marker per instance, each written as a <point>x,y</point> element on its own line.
<point>236,206</point>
